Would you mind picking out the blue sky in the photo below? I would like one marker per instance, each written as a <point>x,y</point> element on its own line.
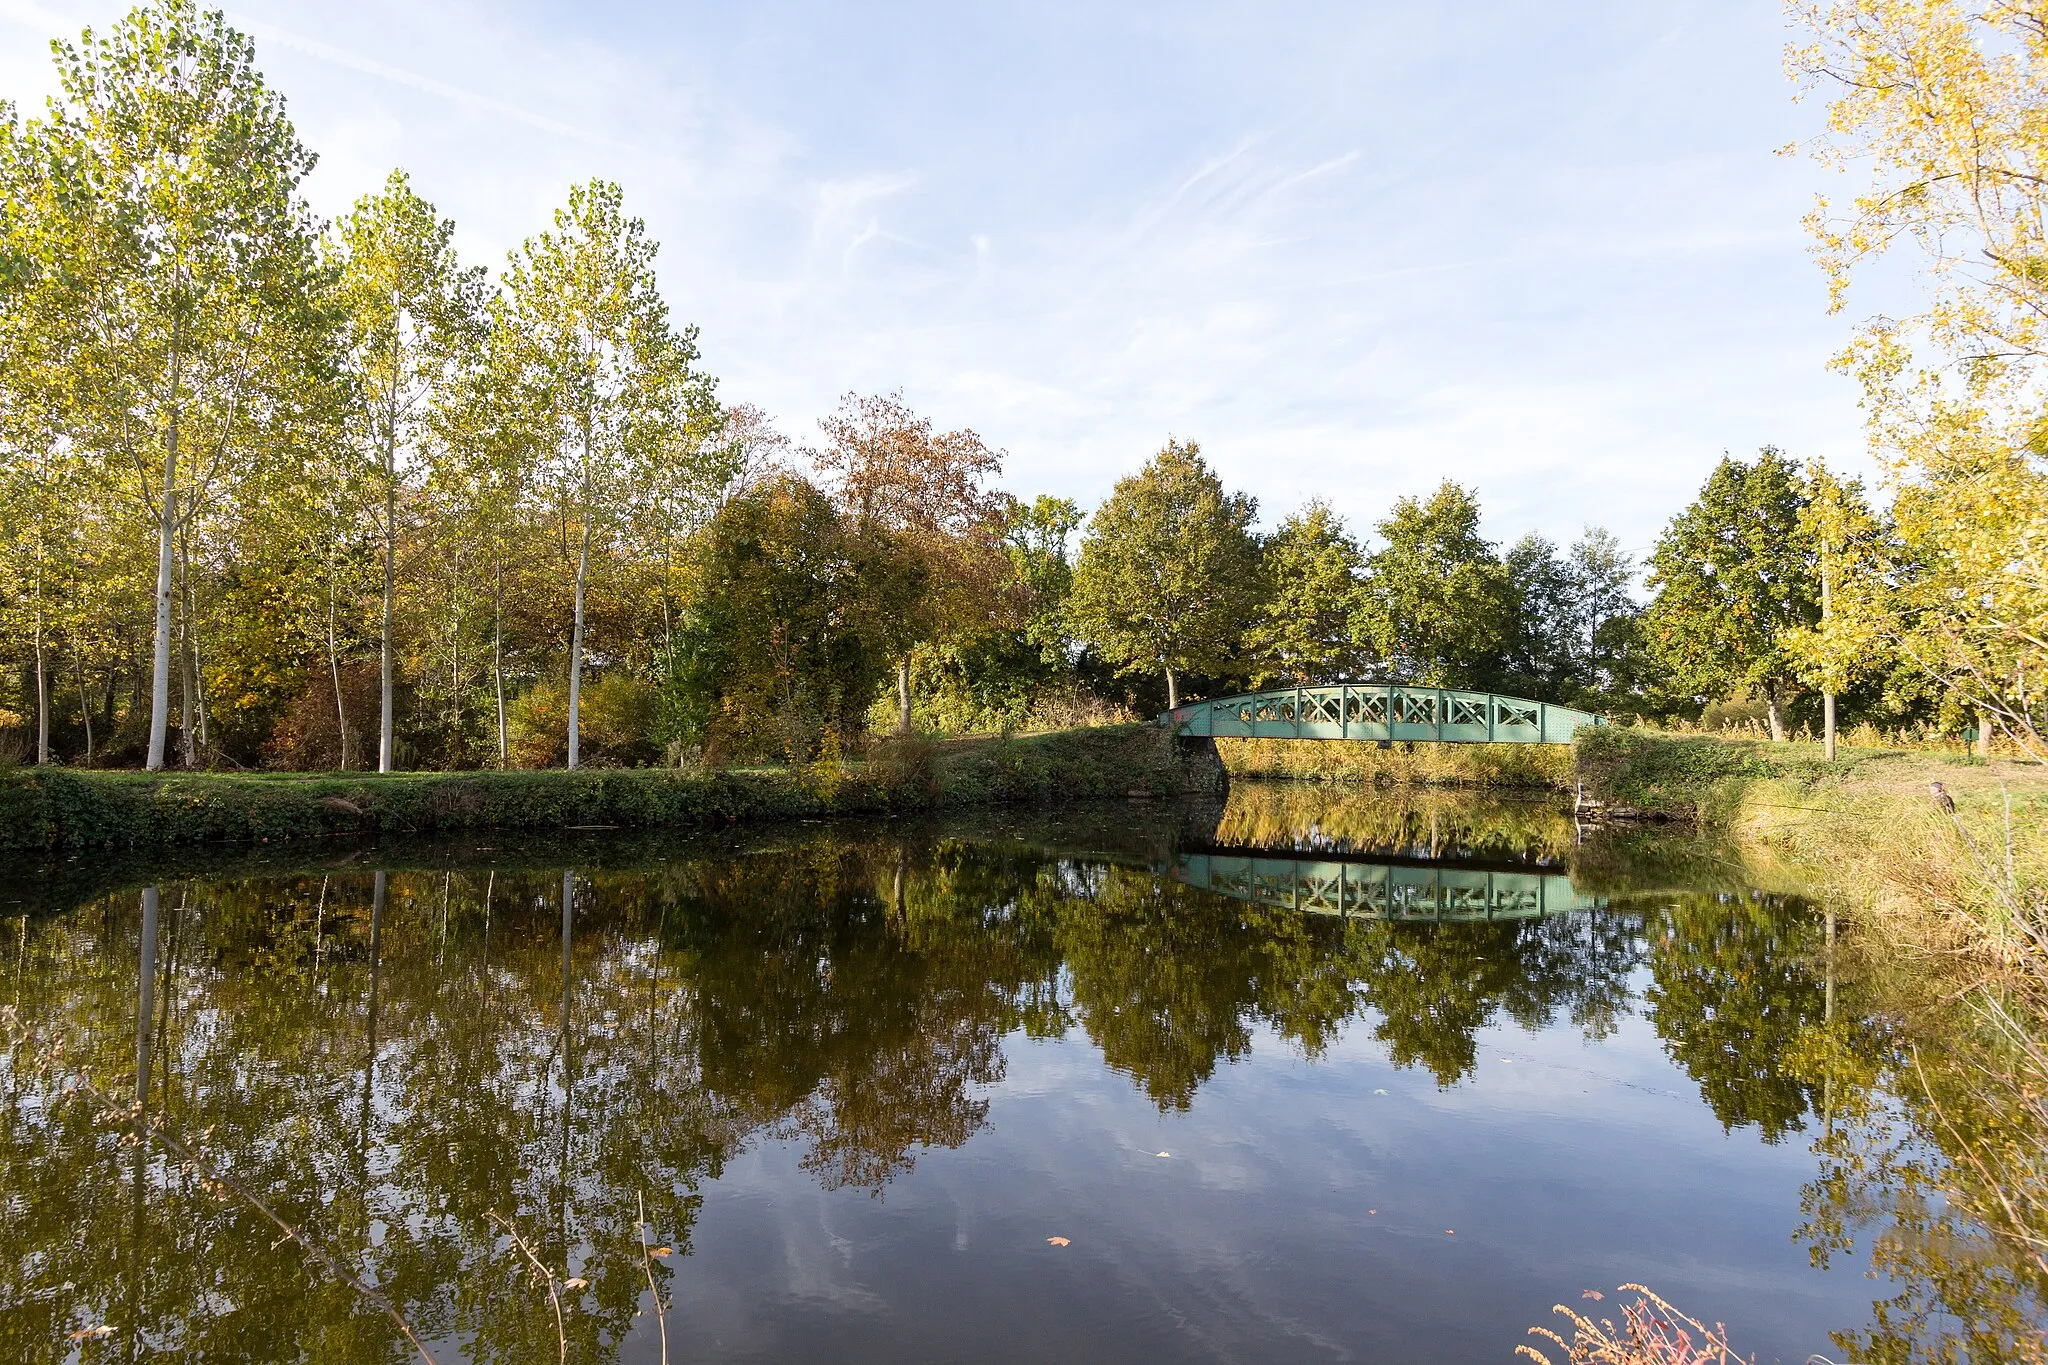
<point>1353,249</point>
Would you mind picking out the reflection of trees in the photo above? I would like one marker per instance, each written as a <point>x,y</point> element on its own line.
<point>1164,979</point>
<point>1169,979</point>
<point>1336,817</point>
<point>390,1077</point>
<point>1912,1110</point>
<point>825,1021</point>
<point>1733,993</point>
<point>1435,987</point>
<point>703,1007</point>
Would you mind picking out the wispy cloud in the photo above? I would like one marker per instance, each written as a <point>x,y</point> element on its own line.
<point>428,85</point>
<point>1546,251</point>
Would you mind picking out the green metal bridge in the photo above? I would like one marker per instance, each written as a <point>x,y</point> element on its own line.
<point>1409,891</point>
<point>1379,711</point>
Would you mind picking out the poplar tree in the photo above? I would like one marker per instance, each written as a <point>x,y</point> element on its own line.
<point>38,469</point>
<point>410,311</point>
<point>182,274</point>
<point>1848,546</point>
<point>489,443</point>
<point>621,396</point>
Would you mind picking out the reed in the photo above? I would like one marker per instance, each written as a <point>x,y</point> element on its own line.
<point>1651,1332</point>
<point>1524,766</point>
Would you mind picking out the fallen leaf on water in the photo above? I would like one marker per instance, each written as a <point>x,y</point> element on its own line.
<point>1165,1154</point>
<point>1592,1294</point>
<point>1372,1210</point>
<point>662,1251</point>
<point>1450,1232</point>
<point>92,1333</point>
<point>1057,1241</point>
<point>578,1283</point>
<point>1379,1092</point>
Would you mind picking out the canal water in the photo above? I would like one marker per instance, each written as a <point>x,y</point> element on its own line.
<point>1303,1077</point>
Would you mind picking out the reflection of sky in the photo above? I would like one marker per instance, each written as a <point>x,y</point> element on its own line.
<point>1352,248</point>
<point>1560,1166</point>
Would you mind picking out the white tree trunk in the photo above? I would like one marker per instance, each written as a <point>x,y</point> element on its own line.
<point>334,670</point>
<point>1827,616</point>
<point>42,675</point>
<point>193,749</point>
<point>84,704</point>
<point>576,648</point>
<point>1776,712</point>
<point>1172,690</point>
<point>160,662</point>
<point>498,667</point>
<point>384,688</point>
<point>903,694</point>
<point>186,754</point>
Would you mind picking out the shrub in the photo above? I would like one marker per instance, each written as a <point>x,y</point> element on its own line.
<point>905,763</point>
<point>617,724</point>
<point>308,735</point>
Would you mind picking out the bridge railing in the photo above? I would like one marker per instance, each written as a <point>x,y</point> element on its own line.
<point>1383,891</point>
<point>1380,711</point>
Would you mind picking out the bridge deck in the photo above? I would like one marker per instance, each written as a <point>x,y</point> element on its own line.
<point>1380,711</point>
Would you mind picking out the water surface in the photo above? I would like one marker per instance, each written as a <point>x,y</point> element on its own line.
<point>1302,1078</point>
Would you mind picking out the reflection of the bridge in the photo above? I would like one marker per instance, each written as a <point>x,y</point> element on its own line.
<point>1397,889</point>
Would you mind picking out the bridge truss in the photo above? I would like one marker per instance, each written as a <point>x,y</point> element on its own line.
<point>1380,712</point>
<point>1427,893</point>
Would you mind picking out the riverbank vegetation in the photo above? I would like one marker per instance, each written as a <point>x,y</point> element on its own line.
<point>1530,767</point>
<point>55,808</point>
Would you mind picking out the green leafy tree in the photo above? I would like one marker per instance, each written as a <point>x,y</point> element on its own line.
<point>1849,546</point>
<point>1303,631</point>
<point>618,380</point>
<point>1037,539</point>
<point>1935,115</point>
<point>1607,615</point>
<point>1168,572</point>
<point>785,637</point>
<point>1438,604</point>
<point>183,271</point>
<point>1544,658</point>
<point>1733,577</point>
<point>921,494</point>
<point>411,310</point>
<point>988,679</point>
<point>1571,628</point>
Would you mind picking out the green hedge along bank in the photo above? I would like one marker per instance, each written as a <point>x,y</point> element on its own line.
<point>47,808</point>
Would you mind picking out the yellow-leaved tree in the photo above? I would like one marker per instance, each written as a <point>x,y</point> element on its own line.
<point>1940,110</point>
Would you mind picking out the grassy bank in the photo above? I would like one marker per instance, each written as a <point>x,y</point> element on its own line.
<point>1866,828</point>
<point>49,808</point>
<point>1514,766</point>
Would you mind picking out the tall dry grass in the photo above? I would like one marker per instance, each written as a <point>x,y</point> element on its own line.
<point>1527,766</point>
<point>1651,1332</point>
<point>1960,898</point>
